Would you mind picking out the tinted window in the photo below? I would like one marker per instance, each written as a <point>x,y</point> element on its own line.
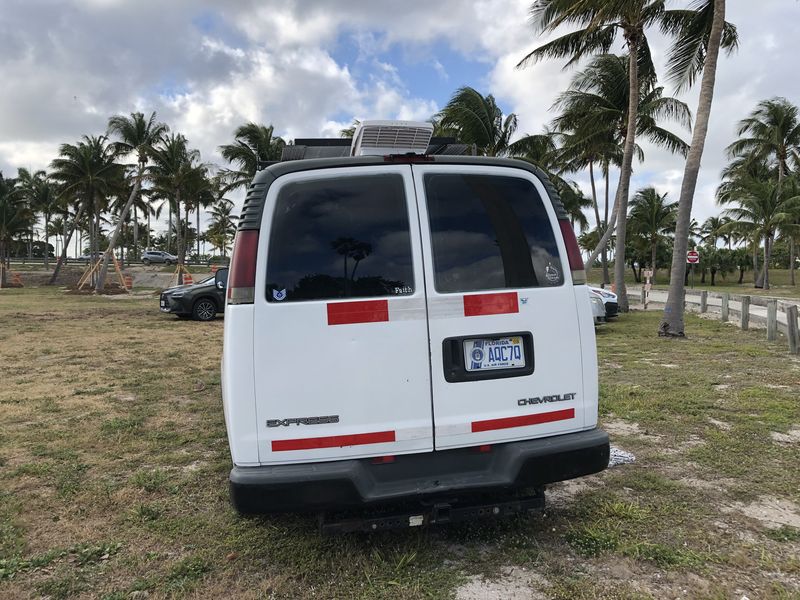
<point>489,232</point>
<point>340,238</point>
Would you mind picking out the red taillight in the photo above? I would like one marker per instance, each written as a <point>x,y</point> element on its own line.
<point>383,460</point>
<point>242,277</point>
<point>485,448</point>
<point>573,252</point>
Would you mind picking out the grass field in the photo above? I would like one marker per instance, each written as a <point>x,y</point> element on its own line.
<point>113,466</point>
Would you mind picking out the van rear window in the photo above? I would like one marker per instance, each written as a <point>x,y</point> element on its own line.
<point>489,232</point>
<point>340,238</point>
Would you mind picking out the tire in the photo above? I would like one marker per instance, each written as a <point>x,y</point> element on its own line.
<point>168,262</point>
<point>146,262</point>
<point>204,309</point>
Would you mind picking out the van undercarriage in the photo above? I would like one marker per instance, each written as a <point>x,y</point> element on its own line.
<point>336,485</point>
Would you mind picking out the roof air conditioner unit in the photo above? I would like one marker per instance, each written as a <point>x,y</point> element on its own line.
<point>379,138</point>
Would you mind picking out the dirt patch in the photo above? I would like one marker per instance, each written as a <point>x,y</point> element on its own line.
<point>562,493</point>
<point>720,424</point>
<point>110,289</point>
<point>618,427</point>
<point>772,512</point>
<point>514,584</point>
<point>790,437</point>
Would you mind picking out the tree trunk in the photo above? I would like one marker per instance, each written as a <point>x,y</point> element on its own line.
<point>135,234</point>
<point>96,249</point>
<point>765,272</point>
<point>178,233</point>
<point>198,232</point>
<point>653,250</point>
<point>46,241</point>
<point>713,276</point>
<point>755,262</point>
<point>2,264</point>
<point>604,253</point>
<point>626,170</point>
<point>791,260</point>
<point>101,280</point>
<point>741,275</point>
<point>673,321</point>
<point>703,275</point>
<point>63,258</point>
<point>169,226</point>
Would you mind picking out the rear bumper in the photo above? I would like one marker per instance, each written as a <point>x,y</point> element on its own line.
<point>349,483</point>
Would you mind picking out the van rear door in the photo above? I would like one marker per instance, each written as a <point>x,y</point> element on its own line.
<point>503,317</point>
<point>340,331</point>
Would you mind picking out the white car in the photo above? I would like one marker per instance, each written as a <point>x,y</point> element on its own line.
<point>609,299</point>
<point>406,326</point>
<point>598,309</point>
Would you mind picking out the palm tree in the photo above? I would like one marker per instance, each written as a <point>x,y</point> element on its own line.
<point>583,150</point>
<point>136,135</point>
<point>40,194</point>
<point>699,33</point>
<point>174,167</point>
<point>88,173</point>
<point>254,143</point>
<point>712,230</point>
<point>653,218</point>
<point>16,218</point>
<point>772,134</point>
<point>763,208</point>
<point>201,191</point>
<point>478,120</point>
<point>599,22</point>
<point>574,201</point>
<point>594,114</point>
<point>223,226</point>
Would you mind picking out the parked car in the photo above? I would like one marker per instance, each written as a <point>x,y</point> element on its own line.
<point>200,301</point>
<point>404,326</point>
<point>88,257</point>
<point>598,309</point>
<point>157,256</point>
<point>609,299</point>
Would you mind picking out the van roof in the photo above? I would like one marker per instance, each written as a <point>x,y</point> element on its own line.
<point>253,208</point>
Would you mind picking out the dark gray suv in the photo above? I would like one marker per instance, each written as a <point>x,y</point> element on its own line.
<point>200,301</point>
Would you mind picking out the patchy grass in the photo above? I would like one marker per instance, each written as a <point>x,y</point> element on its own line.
<point>113,474</point>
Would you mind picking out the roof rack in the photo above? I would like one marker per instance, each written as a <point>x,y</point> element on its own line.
<point>304,148</point>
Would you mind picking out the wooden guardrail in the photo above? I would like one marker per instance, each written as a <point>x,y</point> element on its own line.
<point>779,315</point>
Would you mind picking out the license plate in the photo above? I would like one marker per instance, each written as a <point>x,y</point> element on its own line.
<point>163,303</point>
<point>494,353</point>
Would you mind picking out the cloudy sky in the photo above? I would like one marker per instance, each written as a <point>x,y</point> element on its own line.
<point>309,68</point>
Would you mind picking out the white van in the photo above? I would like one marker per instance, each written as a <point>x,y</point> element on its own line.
<point>405,326</point>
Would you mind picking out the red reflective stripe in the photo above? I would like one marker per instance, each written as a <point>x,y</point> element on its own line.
<point>491,304</point>
<point>522,421</point>
<point>333,441</point>
<point>365,311</point>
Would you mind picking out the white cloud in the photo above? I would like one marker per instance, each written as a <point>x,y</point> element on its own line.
<point>67,66</point>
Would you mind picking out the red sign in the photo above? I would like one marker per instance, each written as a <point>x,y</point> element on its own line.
<point>692,257</point>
